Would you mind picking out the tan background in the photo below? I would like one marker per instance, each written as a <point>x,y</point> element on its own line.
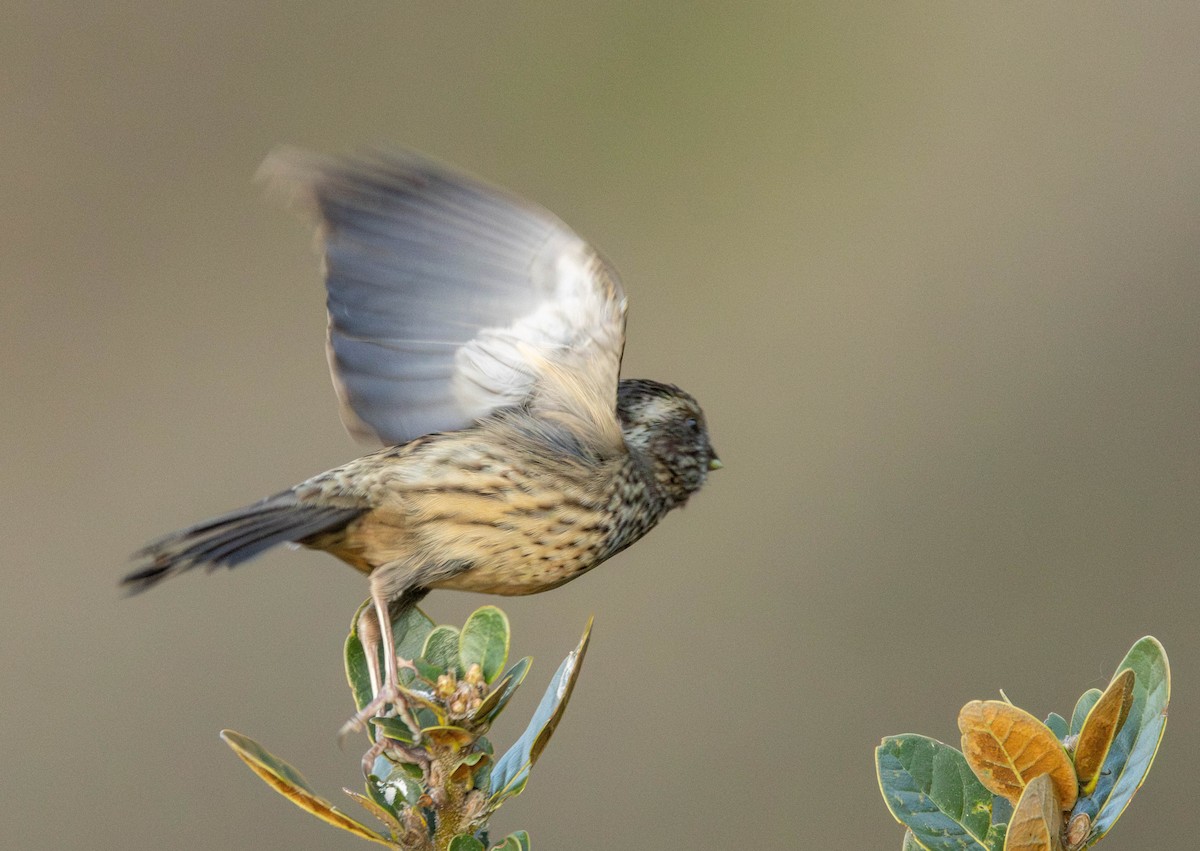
<point>931,268</point>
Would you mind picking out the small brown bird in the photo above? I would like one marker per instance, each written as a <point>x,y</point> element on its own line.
<point>481,339</point>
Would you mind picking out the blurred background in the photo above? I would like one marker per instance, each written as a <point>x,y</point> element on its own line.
<point>932,269</point>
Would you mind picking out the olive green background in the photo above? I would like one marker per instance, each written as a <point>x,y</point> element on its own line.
<point>933,269</point>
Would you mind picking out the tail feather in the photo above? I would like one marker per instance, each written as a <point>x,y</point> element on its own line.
<point>261,536</point>
<point>230,539</point>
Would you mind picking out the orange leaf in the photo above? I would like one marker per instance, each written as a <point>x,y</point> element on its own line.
<point>1101,727</point>
<point>1007,747</point>
<point>1036,822</point>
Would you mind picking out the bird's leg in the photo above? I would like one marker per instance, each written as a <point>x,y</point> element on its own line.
<point>388,693</point>
<point>391,682</point>
<point>368,637</point>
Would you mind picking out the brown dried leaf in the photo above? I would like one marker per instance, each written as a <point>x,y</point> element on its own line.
<point>449,737</point>
<point>1007,747</point>
<point>1101,727</point>
<point>1036,822</point>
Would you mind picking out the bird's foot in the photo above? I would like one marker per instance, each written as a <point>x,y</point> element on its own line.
<point>389,695</point>
<point>398,751</point>
<point>372,754</point>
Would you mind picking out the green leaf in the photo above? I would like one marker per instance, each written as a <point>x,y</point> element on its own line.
<point>465,842</point>
<point>1058,725</point>
<point>397,788</point>
<point>393,728</point>
<point>484,642</point>
<point>472,758</point>
<point>379,811</point>
<point>424,703</point>
<point>1082,707</point>
<point>409,630</point>
<point>441,649</point>
<point>930,789</point>
<point>287,781</point>
<point>502,692</point>
<point>910,842</point>
<point>429,673</point>
<point>428,717</point>
<point>382,767</point>
<point>356,663</point>
<point>518,841</point>
<point>1136,743</point>
<point>511,772</point>
<point>1002,809</point>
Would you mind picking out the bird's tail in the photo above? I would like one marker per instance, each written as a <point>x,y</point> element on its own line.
<point>235,537</point>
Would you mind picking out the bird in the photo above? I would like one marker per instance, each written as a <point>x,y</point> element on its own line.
<point>478,340</point>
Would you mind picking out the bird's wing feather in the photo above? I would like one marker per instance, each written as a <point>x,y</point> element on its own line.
<point>449,298</point>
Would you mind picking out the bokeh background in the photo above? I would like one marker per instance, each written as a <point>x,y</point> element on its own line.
<point>932,268</point>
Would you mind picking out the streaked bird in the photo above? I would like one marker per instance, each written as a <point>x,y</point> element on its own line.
<point>479,339</point>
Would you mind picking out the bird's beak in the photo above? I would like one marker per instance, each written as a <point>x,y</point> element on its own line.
<point>714,463</point>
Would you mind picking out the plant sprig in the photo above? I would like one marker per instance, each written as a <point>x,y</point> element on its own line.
<point>433,781</point>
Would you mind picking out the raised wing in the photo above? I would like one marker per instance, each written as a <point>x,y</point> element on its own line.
<point>449,298</point>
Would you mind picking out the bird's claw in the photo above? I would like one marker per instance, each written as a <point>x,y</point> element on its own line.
<point>373,752</point>
<point>396,752</point>
<point>374,708</point>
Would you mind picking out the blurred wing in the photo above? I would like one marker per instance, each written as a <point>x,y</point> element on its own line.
<point>449,298</point>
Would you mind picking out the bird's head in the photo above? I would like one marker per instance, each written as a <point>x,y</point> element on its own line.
<point>666,427</point>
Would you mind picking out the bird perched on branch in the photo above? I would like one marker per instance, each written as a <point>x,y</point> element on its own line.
<point>479,339</point>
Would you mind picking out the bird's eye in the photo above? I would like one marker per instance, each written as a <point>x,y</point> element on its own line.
<point>693,425</point>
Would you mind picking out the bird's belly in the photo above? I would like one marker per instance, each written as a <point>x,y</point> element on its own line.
<point>509,560</point>
<point>517,575</point>
<point>515,553</point>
